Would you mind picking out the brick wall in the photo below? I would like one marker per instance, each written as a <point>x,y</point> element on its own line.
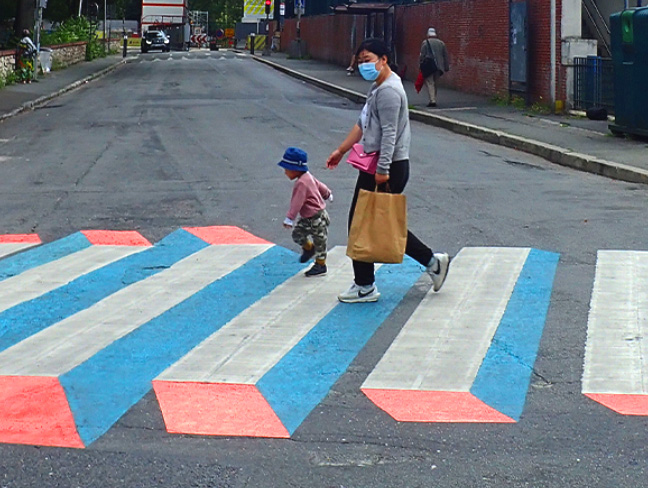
<point>476,33</point>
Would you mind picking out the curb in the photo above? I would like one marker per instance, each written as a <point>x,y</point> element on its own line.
<point>45,98</point>
<point>551,153</point>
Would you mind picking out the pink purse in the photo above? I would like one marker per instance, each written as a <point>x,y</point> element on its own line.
<point>367,162</point>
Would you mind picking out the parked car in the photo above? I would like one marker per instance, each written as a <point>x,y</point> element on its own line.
<point>155,40</point>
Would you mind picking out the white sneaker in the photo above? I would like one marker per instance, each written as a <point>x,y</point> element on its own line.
<point>359,294</point>
<point>438,270</point>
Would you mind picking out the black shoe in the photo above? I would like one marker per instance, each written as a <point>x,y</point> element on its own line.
<point>431,104</point>
<point>307,254</point>
<point>316,270</point>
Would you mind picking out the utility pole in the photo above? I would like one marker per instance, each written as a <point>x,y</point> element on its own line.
<point>40,5</point>
<point>104,29</point>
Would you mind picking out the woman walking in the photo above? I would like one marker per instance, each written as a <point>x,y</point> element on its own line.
<point>383,126</point>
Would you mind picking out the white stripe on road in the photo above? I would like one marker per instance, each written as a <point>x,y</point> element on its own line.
<point>47,277</point>
<point>72,341</point>
<point>442,345</point>
<point>617,328</point>
<point>247,347</point>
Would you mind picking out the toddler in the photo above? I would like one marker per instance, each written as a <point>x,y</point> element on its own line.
<point>309,202</point>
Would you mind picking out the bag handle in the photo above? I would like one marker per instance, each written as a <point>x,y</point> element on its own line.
<point>386,188</point>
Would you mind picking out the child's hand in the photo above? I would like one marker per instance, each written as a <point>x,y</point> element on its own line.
<point>286,226</point>
<point>330,198</point>
<point>288,223</point>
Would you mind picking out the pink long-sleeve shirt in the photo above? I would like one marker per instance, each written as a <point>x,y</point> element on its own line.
<point>308,197</point>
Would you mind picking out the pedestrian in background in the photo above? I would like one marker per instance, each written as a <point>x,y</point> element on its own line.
<point>26,56</point>
<point>433,62</point>
<point>308,201</point>
<point>384,127</point>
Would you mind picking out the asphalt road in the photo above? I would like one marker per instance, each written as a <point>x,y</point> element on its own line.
<point>192,139</point>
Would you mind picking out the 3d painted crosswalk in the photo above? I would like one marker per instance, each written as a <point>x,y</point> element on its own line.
<point>12,243</point>
<point>614,373</point>
<point>466,354</point>
<point>235,341</point>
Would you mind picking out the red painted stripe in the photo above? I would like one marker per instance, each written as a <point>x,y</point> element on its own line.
<point>34,410</point>
<point>19,239</point>
<point>434,406</point>
<point>115,238</point>
<point>224,234</point>
<point>623,404</point>
<point>217,409</point>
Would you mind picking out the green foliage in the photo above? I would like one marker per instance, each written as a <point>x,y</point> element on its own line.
<point>222,13</point>
<point>9,79</point>
<point>74,29</point>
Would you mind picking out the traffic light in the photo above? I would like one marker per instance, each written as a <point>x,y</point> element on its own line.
<point>268,4</point>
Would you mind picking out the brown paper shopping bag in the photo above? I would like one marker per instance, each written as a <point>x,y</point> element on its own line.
<point>378,231</point>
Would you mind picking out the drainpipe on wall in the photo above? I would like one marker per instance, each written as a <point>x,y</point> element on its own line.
<point>553,54</point>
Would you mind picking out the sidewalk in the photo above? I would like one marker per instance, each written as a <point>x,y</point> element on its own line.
<point>17,98</point>
<point>571,141</point>
<point>567,140</point>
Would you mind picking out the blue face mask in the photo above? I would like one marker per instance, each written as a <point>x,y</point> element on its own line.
<point>368,71</point>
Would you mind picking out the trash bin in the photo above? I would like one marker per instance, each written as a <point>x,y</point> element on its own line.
<point>45,59</point>
<point>629,36</point>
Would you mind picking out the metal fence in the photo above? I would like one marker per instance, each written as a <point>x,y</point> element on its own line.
<point>593,83</point>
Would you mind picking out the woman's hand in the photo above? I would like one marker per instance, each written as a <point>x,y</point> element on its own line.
<point>381,179</point>
<point>334,159</point>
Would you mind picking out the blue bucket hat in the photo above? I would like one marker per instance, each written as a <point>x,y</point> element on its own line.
<point>294,159</point>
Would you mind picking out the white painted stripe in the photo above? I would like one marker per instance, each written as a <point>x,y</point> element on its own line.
<point>248,346</point>
<point>47,277</point>
<point>617,327</point>
<point>72,341</point>
<point>12,247</point>
<point>442,345</point>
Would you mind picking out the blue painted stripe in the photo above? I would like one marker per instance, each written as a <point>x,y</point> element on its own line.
<point>37,256</point>
<point>103,388</point>
<point>30,317</point>
<point>504,376</point>
<point>304,376</point>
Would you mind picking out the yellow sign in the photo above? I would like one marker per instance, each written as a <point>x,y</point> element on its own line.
<point>229,32</point>
<point>254,7</point>
<point>134,42</point>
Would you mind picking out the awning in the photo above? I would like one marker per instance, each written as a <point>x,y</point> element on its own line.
<point>363,8</point>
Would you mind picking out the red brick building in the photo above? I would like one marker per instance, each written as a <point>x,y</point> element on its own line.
<point>476,33</point>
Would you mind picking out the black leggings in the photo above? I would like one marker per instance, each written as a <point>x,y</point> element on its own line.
<point>399,174</point>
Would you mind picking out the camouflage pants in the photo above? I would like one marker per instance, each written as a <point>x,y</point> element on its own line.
<point>314,229</point>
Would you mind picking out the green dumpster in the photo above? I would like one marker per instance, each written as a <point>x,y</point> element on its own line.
<point>629,35</point>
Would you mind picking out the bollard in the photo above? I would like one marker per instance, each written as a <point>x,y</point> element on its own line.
<point>252,38</point>
<point>125,46</point>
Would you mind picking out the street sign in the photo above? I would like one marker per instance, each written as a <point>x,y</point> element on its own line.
<point>282,9</point>
<point>220,33</point>
<point>229,33</point>
<point>300,7</point>
<point>199,39</point>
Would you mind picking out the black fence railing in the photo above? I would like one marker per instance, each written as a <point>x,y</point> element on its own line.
<point>593,83</point>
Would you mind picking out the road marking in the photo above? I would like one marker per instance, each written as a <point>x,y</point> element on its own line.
<point>300,356</point>
<point>12,243</point>
<point>212,390</point>
<point>466,354</point>
<point>615,362</point>
<point>36,313</point>
<point>101,360</point>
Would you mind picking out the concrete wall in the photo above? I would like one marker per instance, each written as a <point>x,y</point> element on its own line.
<point>7,62</point>
<point>475,31</point>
